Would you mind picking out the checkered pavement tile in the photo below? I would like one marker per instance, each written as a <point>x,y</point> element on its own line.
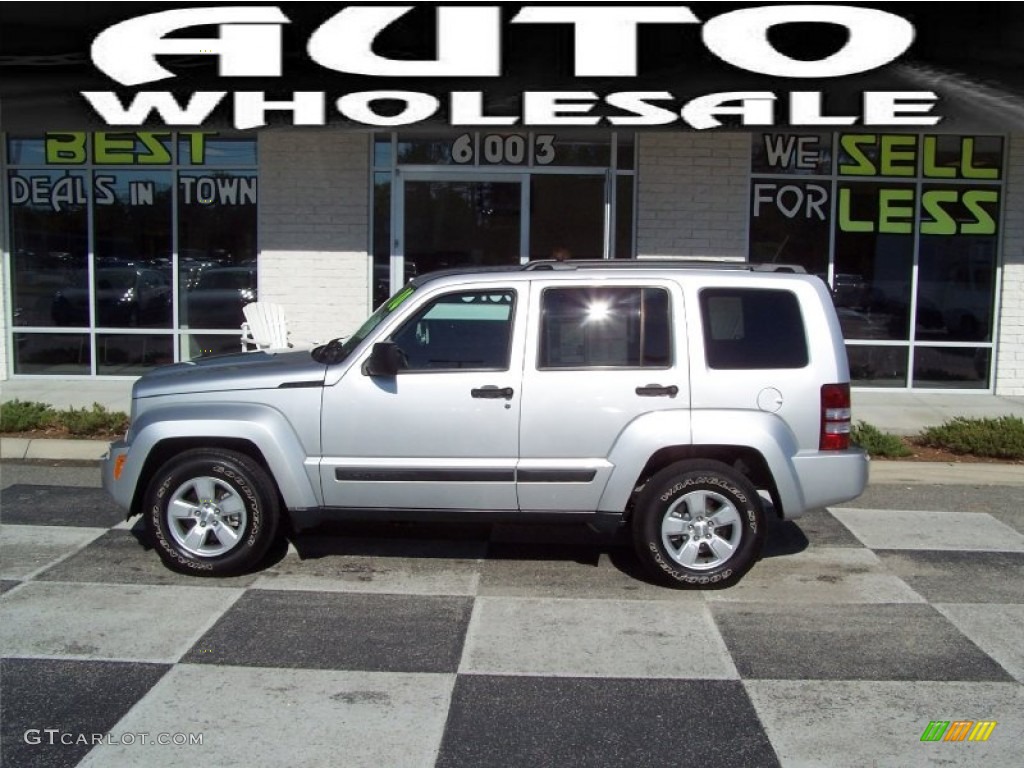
<point>70,699</point>
<point>398,644</point>
<point>553,722</point>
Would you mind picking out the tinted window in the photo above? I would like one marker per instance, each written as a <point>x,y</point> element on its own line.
<point>471,330</point>
<point>750,328</point>
<point>605,328</point>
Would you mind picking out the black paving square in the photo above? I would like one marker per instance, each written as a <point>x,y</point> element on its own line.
<point>960,577</point>
<point>318,630</point>
<point>7,586</point>
<point>850,642</point>
<point>123,557</point>
<point>558,722</point>
<point>816,528</point>
<point>58,505</point>
<point>994,499</point>
<point>79,699</point>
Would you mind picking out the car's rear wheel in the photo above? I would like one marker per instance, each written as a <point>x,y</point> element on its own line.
<point>698,523</point>
<point>212,512</point>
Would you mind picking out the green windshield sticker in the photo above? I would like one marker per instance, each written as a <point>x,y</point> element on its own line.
<point>399,297</point>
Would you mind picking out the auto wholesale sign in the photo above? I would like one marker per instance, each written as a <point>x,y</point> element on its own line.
<point>698,66</point>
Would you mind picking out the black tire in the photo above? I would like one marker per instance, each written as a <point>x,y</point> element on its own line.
<point>226,534</point>
<point>681,544</point>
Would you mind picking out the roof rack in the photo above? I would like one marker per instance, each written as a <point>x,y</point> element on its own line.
<point>744,266</point>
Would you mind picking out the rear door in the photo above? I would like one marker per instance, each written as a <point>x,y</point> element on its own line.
<point>599,355</point>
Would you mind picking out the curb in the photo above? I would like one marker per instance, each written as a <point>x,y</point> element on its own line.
<point>882,472</point>
<point>52,449</point>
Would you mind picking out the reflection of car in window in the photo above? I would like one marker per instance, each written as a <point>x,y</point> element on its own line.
<point>216,298</point>
<point>125,297</point>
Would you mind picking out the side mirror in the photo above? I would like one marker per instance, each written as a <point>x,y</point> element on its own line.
<point>384,360</point>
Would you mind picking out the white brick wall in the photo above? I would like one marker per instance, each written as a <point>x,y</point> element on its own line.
<point>693,191</point>
<point>314,228</point>
<point>1010,359</point>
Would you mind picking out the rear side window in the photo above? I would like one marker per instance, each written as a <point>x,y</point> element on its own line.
<point>749,328</point>
<point>608,327</point>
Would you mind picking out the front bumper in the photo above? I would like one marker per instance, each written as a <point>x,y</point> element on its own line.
<point>121,489</point>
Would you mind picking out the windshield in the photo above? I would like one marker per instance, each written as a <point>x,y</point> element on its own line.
<point>337,350</point>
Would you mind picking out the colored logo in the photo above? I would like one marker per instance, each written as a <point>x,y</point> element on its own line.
<point>958,730</point>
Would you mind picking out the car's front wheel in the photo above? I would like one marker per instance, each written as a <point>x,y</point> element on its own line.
<point>212,512</point>
<point>698,523</point>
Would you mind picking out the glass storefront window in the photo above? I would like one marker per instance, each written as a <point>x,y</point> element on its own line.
<point>872,268</point>
<point>216,247</point>
<point>95,233</point>
<point>567,212</point>
<point>49,245</point>
<point>910,248</point>
<point>789,224</point>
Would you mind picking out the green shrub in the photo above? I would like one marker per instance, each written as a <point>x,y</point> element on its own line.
<point>878,443</point>
<point>98,420</point>
<point>19,416</point>
<point>1001,438</point>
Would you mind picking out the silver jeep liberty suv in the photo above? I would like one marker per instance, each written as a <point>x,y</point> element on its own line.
<point>674,398</point>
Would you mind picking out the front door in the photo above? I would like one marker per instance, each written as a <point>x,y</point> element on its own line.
<point>451,219</point>
<point>444,432</point>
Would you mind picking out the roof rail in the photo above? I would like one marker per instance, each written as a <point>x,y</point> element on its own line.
<point>746,266</point>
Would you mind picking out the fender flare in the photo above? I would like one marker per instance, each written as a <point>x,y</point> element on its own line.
<point>263,426</point>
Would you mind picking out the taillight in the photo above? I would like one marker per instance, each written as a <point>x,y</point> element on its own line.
<point>835,417</point>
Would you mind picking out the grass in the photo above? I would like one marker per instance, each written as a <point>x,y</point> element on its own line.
<point>26,416</point>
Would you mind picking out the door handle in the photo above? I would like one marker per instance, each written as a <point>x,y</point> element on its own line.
<point>491,392</point>
<point>656,390</point>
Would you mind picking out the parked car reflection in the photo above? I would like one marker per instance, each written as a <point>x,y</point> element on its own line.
<point>126,297</point>
<point>216,297</point>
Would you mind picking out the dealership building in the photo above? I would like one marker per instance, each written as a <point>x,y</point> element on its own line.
<point>127,250</point>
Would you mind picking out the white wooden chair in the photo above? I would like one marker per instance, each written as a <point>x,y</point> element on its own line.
<point>266,329</point>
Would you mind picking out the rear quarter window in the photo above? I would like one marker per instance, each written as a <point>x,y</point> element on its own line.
<point>752,328</point>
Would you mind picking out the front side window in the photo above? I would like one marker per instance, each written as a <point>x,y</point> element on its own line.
<point>624,327</point>
<point>469,330</point>
<point>750,329</point>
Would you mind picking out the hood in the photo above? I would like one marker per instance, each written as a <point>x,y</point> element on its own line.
<point>242,371</point>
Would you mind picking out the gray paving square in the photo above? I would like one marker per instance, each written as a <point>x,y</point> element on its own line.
<point>108,621</point>
<point>826,575</point>
<point>569,570</point>
<point>124,557</point>
<point>293,717</point>
<point>77,698</point>
<point>594,638</point>
<point>317,630</point>
<point>26,549</point>
<point>851,724</point>
<point>7,586</point>
<point>960,577</point>
<point>849,642</point>
<point>997,629</point>
<point>556,722</point>
<point>916,529</point>
<point>58,505</point>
